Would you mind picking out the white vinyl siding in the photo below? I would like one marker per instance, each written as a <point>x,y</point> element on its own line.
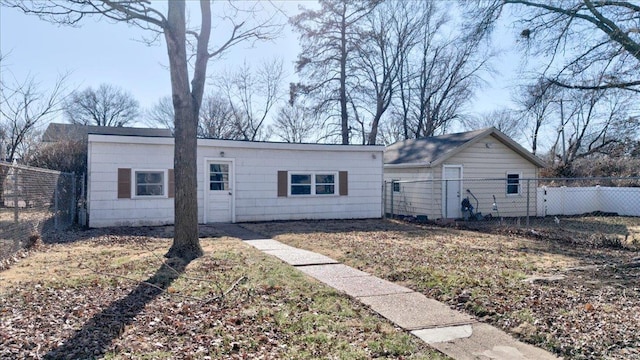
<point>414,195</point>
<point>256,167</point>
<point>495,161</point>
<point>480,161</point>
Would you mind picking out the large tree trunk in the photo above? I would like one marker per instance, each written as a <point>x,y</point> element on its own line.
<point>186,244</point>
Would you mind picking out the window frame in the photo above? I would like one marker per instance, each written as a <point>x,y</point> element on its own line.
<point>134,183</point>
<point>395,185</point>
<point>228,181</point>
<point>518,184</point>
<point>313,184</point>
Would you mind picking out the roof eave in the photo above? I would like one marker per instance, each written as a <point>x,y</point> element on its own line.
<point>407,165</point>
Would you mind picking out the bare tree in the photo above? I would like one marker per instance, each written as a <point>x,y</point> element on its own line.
<point>439,77</point>
<point>161,114</point>
<point>186,93</point>
<point>328,37</point>
<point>251,96</point>
<point>389,34</point>
<point>587,44</point>
<point>508,121</point>
<point>595,123</point>
<point>295,124</point>
<point>536,103</point>
<point>217,119</point>
<point>391,132</point>
<point>24,107</point>
<point>108,105</point>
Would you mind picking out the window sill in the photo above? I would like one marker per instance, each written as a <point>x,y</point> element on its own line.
<point>149,197</point>
<point>313,196</point>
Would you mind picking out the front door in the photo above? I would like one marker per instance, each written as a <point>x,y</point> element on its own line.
<point>219,188</point>
<point>452,186</point>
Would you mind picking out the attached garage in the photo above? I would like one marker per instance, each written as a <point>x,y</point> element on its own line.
<point>131,181</point>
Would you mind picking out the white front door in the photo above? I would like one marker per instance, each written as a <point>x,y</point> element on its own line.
<point>452,187</point>
<point>219,188</point>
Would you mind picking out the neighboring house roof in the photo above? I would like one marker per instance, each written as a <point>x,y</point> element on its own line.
<point>433,151</point>
<point>57,132</point>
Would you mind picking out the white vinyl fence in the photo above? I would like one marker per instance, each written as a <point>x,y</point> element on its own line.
<point>624,201</point>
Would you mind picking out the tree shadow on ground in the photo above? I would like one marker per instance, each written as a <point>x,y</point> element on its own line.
<point>157,232</point>
<point>97,334</point>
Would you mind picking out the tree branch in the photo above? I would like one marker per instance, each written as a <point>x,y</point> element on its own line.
<point>625,86</point>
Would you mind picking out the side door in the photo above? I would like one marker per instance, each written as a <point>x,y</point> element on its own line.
<point>219,182</point>
<point>452,189</point>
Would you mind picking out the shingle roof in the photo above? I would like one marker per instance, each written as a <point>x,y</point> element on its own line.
<point>434,150</point>
<point>56,132</point>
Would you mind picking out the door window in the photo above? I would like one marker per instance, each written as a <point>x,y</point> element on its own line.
<point>218,177</point>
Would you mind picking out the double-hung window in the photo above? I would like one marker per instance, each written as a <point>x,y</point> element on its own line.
<point>312,183</point>
<point>396,186</point>
<point>513,183</point>
<point>149,183</point>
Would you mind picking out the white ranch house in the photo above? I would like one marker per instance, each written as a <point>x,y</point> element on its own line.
<point>431,176</point>
<point>130,181</point>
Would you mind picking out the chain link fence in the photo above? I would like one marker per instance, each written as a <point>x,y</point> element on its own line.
<point>591,205</point>
<point>33,202</point>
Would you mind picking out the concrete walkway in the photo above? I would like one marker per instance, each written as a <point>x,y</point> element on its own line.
<point>454,333</point>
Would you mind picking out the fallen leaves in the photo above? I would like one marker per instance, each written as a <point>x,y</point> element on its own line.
<point>582,300</point>
<point>263,309</point>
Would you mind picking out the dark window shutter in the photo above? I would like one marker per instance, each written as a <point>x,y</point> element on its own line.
<point>171,184</point>
<point>343,180</point>
<point>124,183</point>
<point>283,183</point>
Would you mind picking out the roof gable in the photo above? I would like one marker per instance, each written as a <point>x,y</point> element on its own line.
<point>433,151</point>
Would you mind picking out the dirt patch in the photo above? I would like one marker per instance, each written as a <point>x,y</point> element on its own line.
<point>587,306</point>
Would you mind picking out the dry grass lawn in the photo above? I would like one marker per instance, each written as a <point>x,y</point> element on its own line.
<point>590,311</point>
<point>106,294</point>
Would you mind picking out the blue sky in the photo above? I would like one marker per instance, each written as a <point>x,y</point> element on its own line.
<point>105,52</point>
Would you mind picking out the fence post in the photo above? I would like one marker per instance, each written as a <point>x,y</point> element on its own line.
<point>73,208</point>
<point>393,186</point>
<point>384,199</point>
<point>82,212</point>
<point>56,215</point>
<point>15,194</point>
<point>528,199</point>
<point>444,201</point>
